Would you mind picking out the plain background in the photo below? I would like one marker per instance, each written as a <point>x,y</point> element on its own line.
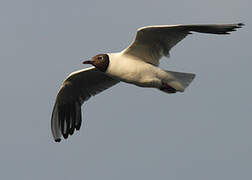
<point>127,132</point>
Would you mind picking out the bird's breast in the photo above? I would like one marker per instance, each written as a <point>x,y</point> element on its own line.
<point>134,71</point>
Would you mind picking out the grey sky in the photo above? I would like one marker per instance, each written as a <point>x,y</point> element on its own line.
<point>204,133</point>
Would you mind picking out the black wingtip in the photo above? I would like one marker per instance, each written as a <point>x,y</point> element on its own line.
<point>71,131</point>
<point>65,135</point>
<point>240,25</point>
<point>78,127</point>
<point>57,140</point>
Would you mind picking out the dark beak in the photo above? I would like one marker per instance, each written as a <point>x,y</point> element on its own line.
<point>87,62</point>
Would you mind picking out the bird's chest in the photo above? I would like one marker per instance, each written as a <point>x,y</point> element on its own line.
<point>134,72</point>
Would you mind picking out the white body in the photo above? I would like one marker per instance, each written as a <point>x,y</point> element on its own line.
<point>135,71</point>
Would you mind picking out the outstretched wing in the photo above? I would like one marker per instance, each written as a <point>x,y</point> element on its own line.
<point>78,87</point>
<point>153,42</point>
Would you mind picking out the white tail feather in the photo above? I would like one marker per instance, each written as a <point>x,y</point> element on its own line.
<point>182,79</point>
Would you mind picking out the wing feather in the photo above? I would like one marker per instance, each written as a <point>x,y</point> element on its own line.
<point>153,42</point>
<point>77,88</point>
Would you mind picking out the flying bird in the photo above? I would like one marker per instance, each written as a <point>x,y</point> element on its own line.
<point>137,64</point>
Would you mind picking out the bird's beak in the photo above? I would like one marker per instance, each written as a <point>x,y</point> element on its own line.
<point>87,62</point>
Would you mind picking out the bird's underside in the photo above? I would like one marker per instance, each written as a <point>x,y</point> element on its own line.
<point>150,44</point>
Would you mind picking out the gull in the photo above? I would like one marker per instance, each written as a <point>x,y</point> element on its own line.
<point>137,64</point>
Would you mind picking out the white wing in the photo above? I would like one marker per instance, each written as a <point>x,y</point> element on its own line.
<point>78,87</point>
<point>153,42</point>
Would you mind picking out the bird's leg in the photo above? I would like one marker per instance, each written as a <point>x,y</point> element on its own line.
<point>165,87</point>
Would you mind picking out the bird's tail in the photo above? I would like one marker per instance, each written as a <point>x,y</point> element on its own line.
<point>181,81</point>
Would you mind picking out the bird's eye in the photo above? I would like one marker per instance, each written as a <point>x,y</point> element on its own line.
<point>100,58</point>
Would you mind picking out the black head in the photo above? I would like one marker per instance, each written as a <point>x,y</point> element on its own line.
<point>100,61</point>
